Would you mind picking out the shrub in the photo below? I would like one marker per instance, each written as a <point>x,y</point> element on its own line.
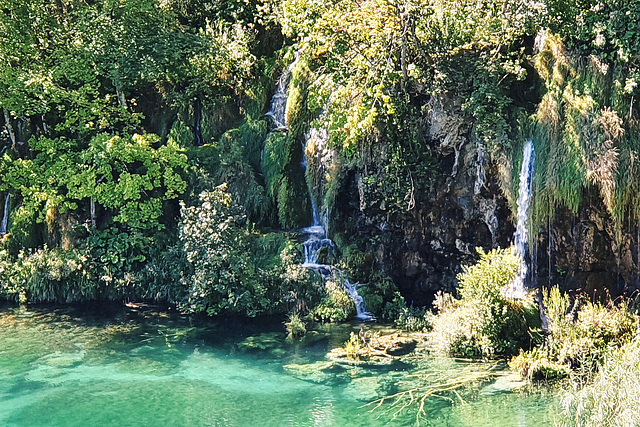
<point>483,323</point>
<point>380,292</point>
<point>236,269</point>
<point>538,364</point>
<point>582,335</point>
<point>414,319</point>
<point>216,242</point>
<point>46,275</point>
<point>353,347</point>
<point>393,308</point>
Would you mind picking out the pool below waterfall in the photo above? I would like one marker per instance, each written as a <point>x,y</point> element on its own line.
<point>72,367</point>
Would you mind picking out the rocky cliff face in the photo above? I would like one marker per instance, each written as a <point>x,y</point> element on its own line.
<point>424,248</point>
<point>582,251</point>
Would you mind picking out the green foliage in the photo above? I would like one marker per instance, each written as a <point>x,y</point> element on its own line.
<point>393,309</point>
<point>126,175</point>
<point>414,319</point>
<point>231,271</point>
<point>353,346</point>
<point>336,306</point>
<point>48,275</point>
<point>233,160</point>
<point>216,243</point>
<point>300,111</point>
<point>484,280</point>
<point>483,323</point>
<point>131,177</point>
<point>537,364</point>
<point>583,334</point>
<point>284,180</point>
<point>378,294</point>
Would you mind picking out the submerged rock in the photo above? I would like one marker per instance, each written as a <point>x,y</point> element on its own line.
<point>317,372</point>
<point>506,383</point>
<point>270,341</point>
<point>363,388</point>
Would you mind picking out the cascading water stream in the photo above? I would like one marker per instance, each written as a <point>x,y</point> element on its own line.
<point>317,232</point>
<point>278,110</point>
<point>317,137</point>
<point>4,226</point>
<point>517,288</point>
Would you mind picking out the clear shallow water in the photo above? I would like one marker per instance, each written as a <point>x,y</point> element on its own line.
<point>70,367</point>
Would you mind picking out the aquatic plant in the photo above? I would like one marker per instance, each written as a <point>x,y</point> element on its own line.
<point>295,326</point>
<point>353,346</point>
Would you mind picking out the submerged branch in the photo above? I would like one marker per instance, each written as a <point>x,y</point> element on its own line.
<point>418,396</point>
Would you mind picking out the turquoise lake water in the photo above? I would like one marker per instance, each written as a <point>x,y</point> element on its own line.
<point>73,367</point>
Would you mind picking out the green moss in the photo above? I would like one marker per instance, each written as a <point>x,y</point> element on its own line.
<point>233,160</point>
<point>300,113</point>
<point>284,180</point>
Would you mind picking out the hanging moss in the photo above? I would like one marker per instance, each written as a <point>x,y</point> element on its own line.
<point>582,140</point>
<point>235,160</point>
<point>284,177</point>
<point>300,112</point>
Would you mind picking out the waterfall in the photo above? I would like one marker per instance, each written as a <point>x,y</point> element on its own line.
<point>317,232</point>
<point>4,226</point>
<point>312,248</point>
<point>517,288</point>
<point>317,137</point>
<point>278,110</point>
<point>352,291</point>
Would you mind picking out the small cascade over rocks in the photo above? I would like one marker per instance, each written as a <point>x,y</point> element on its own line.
<point>316,242</point>
<point>312,249</point>
<point>4,225</point>
<point>517,288</point>
<point>352,291</point>
<point>316,161</point>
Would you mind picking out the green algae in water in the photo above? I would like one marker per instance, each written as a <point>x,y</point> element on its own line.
<point>124,368</point>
